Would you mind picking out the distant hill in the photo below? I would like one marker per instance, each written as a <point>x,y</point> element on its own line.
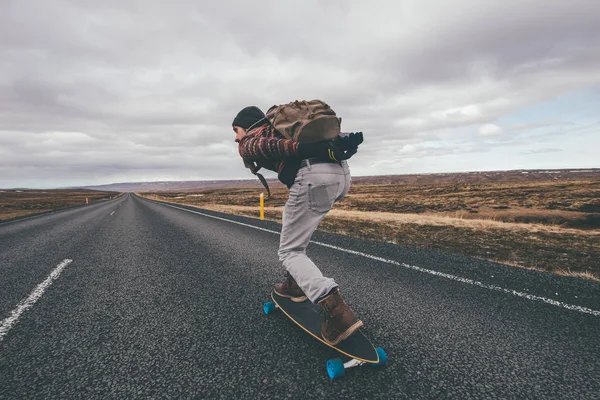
<point>459,177</point>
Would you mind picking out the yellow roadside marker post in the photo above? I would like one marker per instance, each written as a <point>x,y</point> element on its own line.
<point>262,206</point>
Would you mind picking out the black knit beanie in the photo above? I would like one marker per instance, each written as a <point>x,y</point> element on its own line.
<point>248,117</point>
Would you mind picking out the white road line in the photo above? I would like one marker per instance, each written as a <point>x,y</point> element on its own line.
<point>39,290</point>
<point>584,310</point>
<point>112,213</point>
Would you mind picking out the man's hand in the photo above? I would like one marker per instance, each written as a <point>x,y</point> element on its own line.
<point>338,149</point>
<point>352,140</point>
<point>349,144</point>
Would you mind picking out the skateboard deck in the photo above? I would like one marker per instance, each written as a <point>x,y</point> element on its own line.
<point>309,317</point>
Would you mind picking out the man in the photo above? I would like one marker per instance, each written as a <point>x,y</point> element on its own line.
<point>317,176</point>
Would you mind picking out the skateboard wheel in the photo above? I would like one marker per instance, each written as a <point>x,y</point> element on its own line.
<point>335,368</point>
<point>382,357</point>
<point>268,307</point>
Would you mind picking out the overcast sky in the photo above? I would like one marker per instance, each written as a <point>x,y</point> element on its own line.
<point>95,92</point>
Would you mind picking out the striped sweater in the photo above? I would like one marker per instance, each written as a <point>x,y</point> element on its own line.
<point>269,149</point>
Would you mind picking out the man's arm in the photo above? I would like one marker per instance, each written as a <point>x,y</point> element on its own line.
<point>255,148</point>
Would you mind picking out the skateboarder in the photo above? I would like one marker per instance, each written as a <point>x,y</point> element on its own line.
<point>317,176</point>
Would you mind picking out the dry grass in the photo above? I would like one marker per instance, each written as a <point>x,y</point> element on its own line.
<point>545,225</point>
<point>418,219</point>
<point>17,203</point>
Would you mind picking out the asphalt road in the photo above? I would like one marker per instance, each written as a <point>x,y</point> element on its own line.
<point>136,299</point>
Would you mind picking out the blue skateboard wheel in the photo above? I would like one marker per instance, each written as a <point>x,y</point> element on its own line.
<point>335,368</point>
<point>268,307</point>
<point>382,357</point>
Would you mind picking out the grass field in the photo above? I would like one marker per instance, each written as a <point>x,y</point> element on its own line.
<point>551,225</point>
<point>17,203</point>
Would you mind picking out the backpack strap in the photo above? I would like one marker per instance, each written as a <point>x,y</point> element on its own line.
<point>253,167</point>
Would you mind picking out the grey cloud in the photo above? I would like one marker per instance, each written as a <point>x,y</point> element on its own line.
<point>499,38</point>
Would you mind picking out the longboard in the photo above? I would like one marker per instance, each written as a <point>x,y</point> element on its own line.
<point>309,317</point>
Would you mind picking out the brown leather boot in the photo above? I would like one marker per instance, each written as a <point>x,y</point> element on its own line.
<point>339,321</point>
<point>290,289</point>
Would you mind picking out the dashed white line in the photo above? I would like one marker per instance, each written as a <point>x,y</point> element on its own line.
<point>27,303</point>
<point>112,213</point>
<point>556,303</point>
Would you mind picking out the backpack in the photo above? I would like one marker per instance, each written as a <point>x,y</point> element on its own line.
<point>302,121</point>
<point>305,121</point>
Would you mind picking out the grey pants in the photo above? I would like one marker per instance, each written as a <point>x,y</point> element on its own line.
<point>316,189</point>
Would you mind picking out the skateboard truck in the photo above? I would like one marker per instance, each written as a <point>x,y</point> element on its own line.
<point>337,368</point>
<point>269,307</point>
